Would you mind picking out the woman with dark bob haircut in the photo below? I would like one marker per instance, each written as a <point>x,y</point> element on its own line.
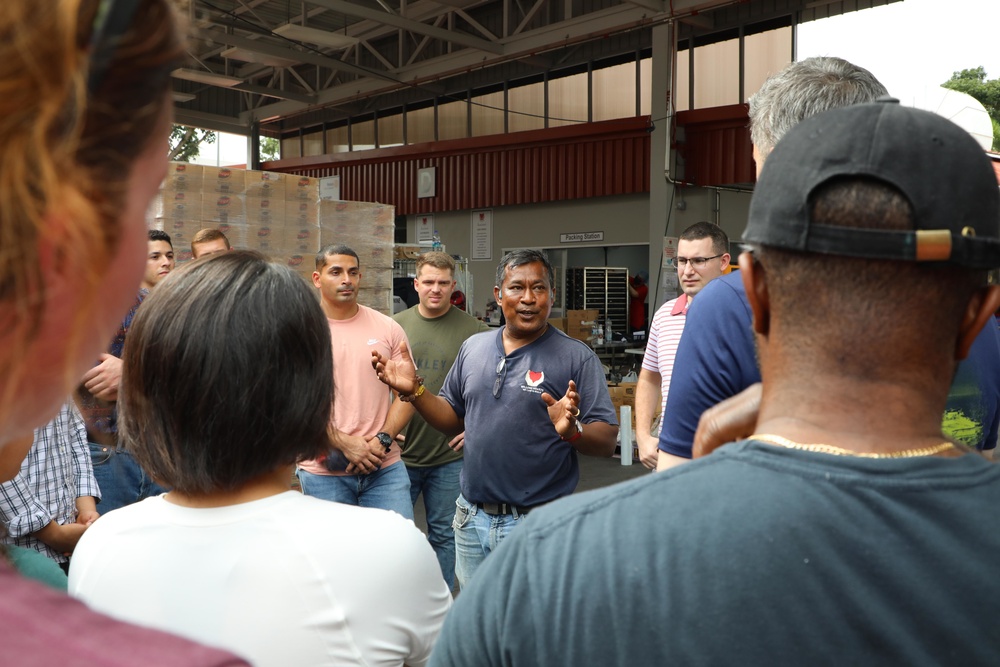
<point>227,382</point>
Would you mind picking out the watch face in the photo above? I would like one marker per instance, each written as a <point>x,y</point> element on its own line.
<point>385,439</point>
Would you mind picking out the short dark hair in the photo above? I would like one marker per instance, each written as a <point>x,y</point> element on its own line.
<point>897,308</point>
<point>160,235</point>
<point>517,258</point>
<point>335,249</point>
<point>229,374</point>
<point>707,230</point>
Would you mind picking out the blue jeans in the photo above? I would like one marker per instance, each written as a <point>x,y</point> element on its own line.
<point>121,480</point>
<point>386,488</point>
<point>476,535</point>
<point>441,489</point>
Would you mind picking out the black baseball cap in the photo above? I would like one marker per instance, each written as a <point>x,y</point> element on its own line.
<point>933,162</point>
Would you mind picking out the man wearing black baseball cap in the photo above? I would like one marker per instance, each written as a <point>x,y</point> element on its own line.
<point>843,530</point>
<point>716,357</point>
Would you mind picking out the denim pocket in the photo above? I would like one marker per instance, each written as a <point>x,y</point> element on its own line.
<point>462,516</point>
<point>100,454</point>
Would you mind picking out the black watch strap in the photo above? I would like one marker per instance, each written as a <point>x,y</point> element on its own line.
<point>385,439</point>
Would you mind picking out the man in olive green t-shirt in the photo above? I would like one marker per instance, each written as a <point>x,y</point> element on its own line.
<point>436,331</point>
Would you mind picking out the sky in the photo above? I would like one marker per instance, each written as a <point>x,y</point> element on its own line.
<point>909,46</point>
<point>228,150</point>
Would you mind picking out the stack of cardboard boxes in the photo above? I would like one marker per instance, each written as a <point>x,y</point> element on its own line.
<point>280,215</point>
<point>369,230</point>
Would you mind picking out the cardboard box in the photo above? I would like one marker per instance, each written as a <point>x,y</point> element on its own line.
<point>265,185</point>
<point>263,211</point>
<point>616,394</point>
<point>407,251</point>
<point>237,233</point>
<point>179,205</point>
<point>628,393</point>
<point>558,323</point>
<point>301,188</point>
<point>302,239</point>
<point>223,208</point>
<point>265,238</point>
<point>580,324</point>
<point>223,180</point>
<point>184,177</point>
<point>300,212</point>
<point>623,394</point>
<point>578,317</point>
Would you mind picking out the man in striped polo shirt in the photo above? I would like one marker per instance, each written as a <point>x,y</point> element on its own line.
<point>702,256</point>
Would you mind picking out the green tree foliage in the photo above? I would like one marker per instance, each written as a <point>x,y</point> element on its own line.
<point>269,149</point>
<point>974,83</point>
<point>185,142</point>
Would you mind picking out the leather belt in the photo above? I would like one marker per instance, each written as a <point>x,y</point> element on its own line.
<point>502,509</point>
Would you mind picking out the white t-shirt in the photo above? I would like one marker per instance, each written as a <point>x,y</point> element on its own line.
<point>286,580</point>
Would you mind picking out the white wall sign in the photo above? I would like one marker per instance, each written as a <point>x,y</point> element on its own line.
<point>329,188</point>
<point>426,182</point>
<point>669,251</point>
<point>669,282</point>
<point>581,237</point>
<point>482,234</point>
<point>425,228</point>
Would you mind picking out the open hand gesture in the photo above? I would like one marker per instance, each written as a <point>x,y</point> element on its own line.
<point>398,375</point>
<point>565,411</point>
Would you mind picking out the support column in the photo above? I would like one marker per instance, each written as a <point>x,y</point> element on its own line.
<point>253,146</point>
<point>661,159</point>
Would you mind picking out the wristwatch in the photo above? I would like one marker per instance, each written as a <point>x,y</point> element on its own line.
<point>577,435</point>
<point>385,440</point>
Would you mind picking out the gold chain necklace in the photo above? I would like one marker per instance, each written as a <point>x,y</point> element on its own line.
<point>779,441</point>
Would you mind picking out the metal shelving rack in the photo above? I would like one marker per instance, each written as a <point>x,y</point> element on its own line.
<point>602,287</point>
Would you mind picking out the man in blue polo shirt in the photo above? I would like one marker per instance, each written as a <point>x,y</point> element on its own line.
<point>521,442</point>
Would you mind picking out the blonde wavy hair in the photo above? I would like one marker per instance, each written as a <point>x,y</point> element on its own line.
<point>67,151</point>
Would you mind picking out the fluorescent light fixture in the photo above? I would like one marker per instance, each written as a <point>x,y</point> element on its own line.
<point>210,78</point>
<point>299,33</point>
<point>248,56</point>
<point>182,97</point>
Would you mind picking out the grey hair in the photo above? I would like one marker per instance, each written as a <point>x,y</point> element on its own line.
<point>518,258</point>
<point>804,89</point>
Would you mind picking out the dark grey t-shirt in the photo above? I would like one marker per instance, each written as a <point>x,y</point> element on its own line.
<point>755,555</point>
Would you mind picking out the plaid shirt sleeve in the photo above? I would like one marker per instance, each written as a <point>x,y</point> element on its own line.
<point>83,468</point>
<point>44,490</point>
<point>20,509</point>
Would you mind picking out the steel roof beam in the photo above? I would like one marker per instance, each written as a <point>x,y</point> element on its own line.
<point>462,39</point>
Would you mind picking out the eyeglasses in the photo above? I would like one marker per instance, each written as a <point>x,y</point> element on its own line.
<point>501,376</point>
<point>696,262</point>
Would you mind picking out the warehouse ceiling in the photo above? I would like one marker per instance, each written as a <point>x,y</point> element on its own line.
<point>288,64</point>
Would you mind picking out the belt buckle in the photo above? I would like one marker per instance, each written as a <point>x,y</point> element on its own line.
<point>500,509</point>
<point>493,509</point>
